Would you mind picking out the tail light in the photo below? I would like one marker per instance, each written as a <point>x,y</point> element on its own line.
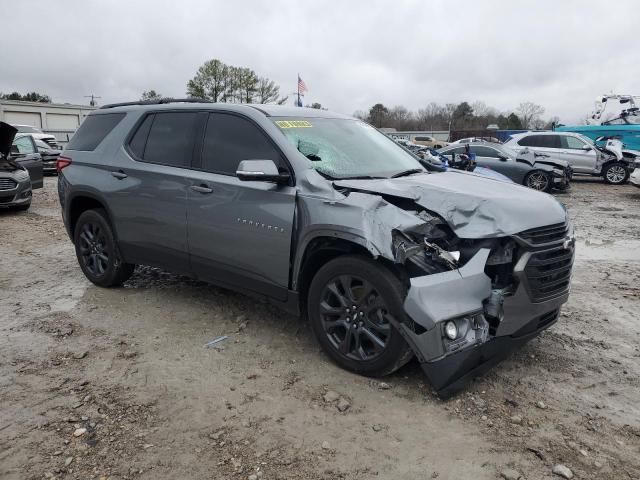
<point>62,162</point>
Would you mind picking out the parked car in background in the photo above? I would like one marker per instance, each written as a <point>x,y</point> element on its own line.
<point>49,156</point>
<point>580,152</point>
<point>530,172</point>
<point>478,139</point>
<point>327,216</point>
<point>428,141</point>
<point>25,153</point>
<point>38,134</point>
<point>15,184</point>
<point>432,159</point>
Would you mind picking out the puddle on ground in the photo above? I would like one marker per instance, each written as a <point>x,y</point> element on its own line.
<point>622,250</point>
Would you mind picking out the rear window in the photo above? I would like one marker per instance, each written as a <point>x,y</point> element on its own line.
<point>93,130</point>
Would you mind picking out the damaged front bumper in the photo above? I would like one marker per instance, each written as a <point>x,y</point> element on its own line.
<point>489,323</point>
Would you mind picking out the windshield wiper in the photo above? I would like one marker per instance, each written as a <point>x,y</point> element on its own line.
<point>361,177</point>
<point>313,157</point>
<point>405,173</point>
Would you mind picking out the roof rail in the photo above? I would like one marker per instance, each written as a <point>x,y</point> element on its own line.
<point>158,102</point>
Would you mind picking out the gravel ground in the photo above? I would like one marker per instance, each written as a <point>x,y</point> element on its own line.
<point>116,383</point>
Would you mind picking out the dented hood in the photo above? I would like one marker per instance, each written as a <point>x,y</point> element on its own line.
<point>474,207</point>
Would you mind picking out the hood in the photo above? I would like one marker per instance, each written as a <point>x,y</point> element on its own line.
<point>7,134</point>
<point>473,206</point>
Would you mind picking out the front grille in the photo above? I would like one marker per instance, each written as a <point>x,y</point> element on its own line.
<point>549,273</point>
<point>7,184</point>
<point>548,234</point>
<point>5,198</point>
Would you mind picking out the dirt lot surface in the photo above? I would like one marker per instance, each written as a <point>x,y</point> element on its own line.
<point>116,383</point>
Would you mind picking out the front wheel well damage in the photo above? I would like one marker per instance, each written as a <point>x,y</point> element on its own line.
<point>324,249</point>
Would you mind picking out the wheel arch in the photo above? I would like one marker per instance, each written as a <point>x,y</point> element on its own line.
<point>82,201</point>
<point>318,249</point>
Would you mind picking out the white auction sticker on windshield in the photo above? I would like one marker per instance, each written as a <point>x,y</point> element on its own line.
<point>293,124</point>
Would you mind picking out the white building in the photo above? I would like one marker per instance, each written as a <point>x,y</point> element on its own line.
<point>58,119</point>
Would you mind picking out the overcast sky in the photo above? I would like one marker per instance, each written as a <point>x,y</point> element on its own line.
<point>351,54</point>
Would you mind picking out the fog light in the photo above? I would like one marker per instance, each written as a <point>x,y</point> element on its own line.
<point>451,330</point>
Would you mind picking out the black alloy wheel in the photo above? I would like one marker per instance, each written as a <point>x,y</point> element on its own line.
<point>355,306</point>
<point>355,317</point>
<point>93,249</point>
<point>97,250</point>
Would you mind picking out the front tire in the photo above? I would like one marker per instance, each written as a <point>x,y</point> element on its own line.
<point>353,304</point>
<point>538,180</point>
<point>615,173</point>
<point>97,250</point>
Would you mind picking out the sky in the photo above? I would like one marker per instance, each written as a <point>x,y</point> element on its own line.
<point>350,53</point>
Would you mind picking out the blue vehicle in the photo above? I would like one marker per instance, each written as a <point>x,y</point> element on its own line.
<point>625,127</point>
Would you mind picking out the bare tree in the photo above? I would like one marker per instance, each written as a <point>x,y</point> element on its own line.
<point>529,114</point>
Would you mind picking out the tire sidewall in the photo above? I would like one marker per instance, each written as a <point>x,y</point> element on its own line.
<point>395,353</point>
<point>616,164</point>
<point>547,176</point>
<point>112,272</point>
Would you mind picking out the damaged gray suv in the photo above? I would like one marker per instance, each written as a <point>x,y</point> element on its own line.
<point>326,216</point>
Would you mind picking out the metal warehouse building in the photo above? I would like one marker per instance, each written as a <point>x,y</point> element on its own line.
<point>58,119</point>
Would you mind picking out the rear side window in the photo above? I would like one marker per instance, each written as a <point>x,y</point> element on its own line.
<point>170,140</point>
<point>139,140</point>
<point>229,139</point>
<point>484,151</point>
<point>93,130</point>
<point>543,141</point>
<point>455,150</point>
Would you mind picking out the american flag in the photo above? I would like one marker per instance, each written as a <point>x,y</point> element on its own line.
<point>302,87</point>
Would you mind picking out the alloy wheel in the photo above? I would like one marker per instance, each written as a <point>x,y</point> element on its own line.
<point>616,174</point>
<point>538,181</point>
<point>355,318</point>
<point>93,249</point>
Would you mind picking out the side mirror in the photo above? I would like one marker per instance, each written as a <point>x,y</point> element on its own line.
<point>503,159</point>
<point>586,148</point>
<point>260,171</point>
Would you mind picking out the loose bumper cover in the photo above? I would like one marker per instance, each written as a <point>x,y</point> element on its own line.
<point>465,297</point>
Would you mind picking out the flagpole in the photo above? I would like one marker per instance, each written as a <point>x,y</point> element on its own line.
<point>298,89</point>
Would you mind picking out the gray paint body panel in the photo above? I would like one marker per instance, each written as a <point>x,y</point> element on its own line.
<point>224,235</point>
<point>474,207</point>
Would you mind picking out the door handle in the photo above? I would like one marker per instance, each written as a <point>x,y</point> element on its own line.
<point>201,188</point>
<point>120,175</point>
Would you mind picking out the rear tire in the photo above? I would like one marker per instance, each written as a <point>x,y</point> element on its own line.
<point>615,173</point>
<point>538,180</point>
<point>352,305</point>
<point>97,250</point>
